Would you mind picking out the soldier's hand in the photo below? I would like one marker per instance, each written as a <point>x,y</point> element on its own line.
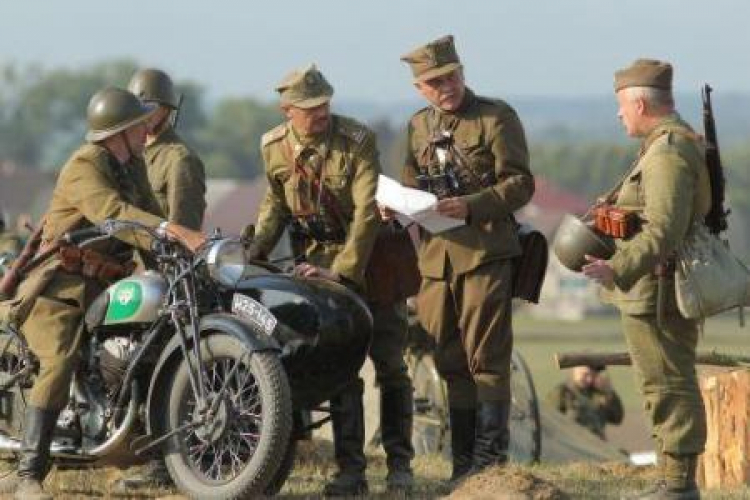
<point>456,208</point>
<point>306,270</point>
<point>600,271</point>
<point>191,239</point>
<point>387,214</point>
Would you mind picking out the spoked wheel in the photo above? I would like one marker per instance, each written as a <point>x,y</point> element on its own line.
<point>17,367</point>
<point>430,405</point>
<point>525,426</point>
<point>233,448</point>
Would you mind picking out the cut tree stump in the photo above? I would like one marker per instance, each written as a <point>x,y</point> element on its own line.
<point>726,461</point>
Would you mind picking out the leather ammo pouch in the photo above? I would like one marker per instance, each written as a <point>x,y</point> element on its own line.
<point>93,264</point>
<point>530,267</point>
<point>392,273</point>
<point>615,222</point>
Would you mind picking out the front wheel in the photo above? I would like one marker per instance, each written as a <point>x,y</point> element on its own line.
<point>236,452</point>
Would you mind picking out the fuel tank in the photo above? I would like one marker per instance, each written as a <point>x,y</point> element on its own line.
<point>136,299</point>
<point>324,329</point>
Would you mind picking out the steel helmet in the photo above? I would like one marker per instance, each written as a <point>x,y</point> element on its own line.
<point>154,85</point>
<point>113,110</point>
<point>575,239</point>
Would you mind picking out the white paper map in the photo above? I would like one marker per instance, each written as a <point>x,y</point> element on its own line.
<point>413,205</point>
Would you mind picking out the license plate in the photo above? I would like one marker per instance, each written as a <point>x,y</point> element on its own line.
<point>255,312</point>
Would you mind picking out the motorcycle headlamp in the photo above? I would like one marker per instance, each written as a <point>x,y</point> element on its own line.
<point>226,261</point>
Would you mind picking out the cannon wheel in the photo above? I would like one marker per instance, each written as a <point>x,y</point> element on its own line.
<point>431,433</point>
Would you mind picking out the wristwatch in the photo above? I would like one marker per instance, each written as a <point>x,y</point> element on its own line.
<point>161,230</point>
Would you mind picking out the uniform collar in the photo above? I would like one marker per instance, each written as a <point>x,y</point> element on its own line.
<point>667,123</point>
<point>319,142</point>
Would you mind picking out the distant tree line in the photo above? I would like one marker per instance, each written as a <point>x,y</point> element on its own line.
<point>42,119</point>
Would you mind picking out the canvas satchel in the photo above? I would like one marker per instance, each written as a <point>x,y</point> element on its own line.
<point>709,279</point>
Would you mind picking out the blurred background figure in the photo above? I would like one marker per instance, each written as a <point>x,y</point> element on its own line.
<point>588,398</point>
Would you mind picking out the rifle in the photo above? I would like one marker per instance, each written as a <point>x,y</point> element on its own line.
<point>716,219</point>
<point>176,115</point>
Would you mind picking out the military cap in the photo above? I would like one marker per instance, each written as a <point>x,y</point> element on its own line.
<point>304,88</point>
<point>645,73</point>
<point>437,58</point>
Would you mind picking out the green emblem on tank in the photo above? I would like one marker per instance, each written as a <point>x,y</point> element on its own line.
<point>125,300</point>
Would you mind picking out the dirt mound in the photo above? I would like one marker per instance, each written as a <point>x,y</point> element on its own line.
<point>507,483</point>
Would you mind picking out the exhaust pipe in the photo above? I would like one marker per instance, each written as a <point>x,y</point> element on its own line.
<point>58,450</point>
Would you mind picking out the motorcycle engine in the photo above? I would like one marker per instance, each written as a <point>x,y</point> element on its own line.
<point>114,357</point>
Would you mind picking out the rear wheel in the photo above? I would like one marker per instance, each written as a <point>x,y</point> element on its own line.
<point>237,450</point>
<point>524,424</point>
<point>430,427</point>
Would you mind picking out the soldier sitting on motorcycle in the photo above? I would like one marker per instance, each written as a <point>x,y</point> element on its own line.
<point>103,179</point>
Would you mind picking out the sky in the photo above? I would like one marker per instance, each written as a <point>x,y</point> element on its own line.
<point>508,47</point>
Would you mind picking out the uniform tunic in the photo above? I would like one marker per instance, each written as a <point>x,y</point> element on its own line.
<point>178,178</point>
<point>465,298</point>
<point>669,188</point>
<point>91,188</point>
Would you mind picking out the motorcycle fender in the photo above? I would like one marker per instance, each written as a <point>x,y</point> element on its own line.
<point>210,324</point>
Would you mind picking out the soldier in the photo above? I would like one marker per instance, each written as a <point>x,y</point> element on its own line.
<point>175,173</point>
<point>471,152</point>
<point>102,180</point>
<point>668,188</point>
<point>589,399</point>
<point>322,171</point>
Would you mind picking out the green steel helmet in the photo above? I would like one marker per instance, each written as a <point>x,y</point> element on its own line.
<point>154,85</point>
<point>575,239</point>
<point>113,110</point>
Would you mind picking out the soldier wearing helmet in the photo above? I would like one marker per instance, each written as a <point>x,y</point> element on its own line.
<point>103,179</point>
<point>175,172</point>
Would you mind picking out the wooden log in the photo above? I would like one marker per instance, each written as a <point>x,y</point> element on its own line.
<point>571,359</point>
<point>726,461</point>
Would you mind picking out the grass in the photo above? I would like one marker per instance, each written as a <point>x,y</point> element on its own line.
<point>537,341</point>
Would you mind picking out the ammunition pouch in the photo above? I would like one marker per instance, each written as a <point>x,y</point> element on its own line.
<point>616,222</point>
<point>92,264</point>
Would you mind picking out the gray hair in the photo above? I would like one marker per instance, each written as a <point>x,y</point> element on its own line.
<point>655,97</point>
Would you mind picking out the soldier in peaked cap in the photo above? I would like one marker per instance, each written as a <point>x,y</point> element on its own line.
<point>322,170</point>
<point>470,151</point>
<point>668,188</point>
<point>103,179</point>
<point>175,172</point>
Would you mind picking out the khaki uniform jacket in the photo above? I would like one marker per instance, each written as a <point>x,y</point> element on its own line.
<point>350,172</point>
<point>178,178</point>
<point>669,188</point>
<point>491,135</point>
<point>93,187</point>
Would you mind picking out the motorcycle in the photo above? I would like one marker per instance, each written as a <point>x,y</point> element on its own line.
<point>209,360</point>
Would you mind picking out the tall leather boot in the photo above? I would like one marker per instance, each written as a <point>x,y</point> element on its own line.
<point>492,435</point>
<point>348,419</point>
<point>463,431</point>
<point>34,463</point>
<point>396,415</point>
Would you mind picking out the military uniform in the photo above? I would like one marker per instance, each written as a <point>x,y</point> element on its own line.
<point>91,188</point>
<point>668,187</point>
<point>588,406</point>
<point>50,303</point>
<point>338,233</point>
<point>465,297</point>
<point>178,179</point>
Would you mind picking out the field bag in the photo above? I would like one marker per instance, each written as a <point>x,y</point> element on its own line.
<point>530,267</point>
<point>709,279</point>
<point>392,273</point>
